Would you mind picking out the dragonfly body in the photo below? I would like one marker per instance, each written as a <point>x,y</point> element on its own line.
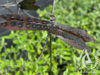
<point>73,36</point>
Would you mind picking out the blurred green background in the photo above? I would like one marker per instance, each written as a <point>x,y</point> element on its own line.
<point>23,57</point>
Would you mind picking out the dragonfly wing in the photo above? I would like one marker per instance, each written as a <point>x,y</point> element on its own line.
<point>72,40</point>
<point>77,32</point>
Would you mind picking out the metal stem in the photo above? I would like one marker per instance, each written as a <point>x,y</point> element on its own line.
<point>52,20</point>
<point>50,53</point>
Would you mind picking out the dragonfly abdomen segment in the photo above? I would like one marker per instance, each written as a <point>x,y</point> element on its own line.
<point>21,25</point>
<point>10,17</point>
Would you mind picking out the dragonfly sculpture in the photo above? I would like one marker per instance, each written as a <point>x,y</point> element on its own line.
<point>73,36</point>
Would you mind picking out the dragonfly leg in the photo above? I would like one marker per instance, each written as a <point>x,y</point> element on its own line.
<point>44,46</point>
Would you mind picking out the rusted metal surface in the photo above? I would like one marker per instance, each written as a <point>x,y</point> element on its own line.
<point>73,36</point>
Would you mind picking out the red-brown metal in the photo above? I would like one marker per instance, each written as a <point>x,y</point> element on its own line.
<point>73,36</point>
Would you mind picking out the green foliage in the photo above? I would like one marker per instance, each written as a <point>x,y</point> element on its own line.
<point>82,14</point>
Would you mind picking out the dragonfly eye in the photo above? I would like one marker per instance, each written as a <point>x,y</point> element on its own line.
<point>28,19</point>
<point>20,24</point>
<point>13,23</point>
<point>28,25</point>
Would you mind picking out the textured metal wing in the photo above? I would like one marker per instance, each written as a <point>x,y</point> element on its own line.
<point>72,40</point>
<point>77,32</point>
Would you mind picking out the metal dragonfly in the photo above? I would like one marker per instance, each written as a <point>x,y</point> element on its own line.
<point>73,36</point>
